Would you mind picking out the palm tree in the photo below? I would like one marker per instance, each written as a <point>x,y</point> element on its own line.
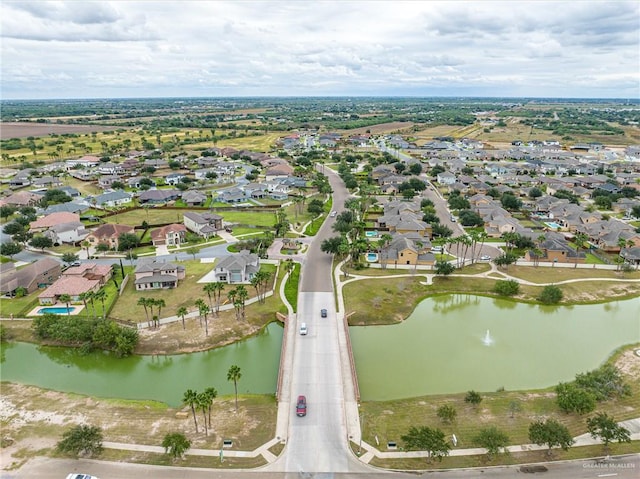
<point>84,297</point>
<point>580,239</point>
<point>234,374</point>
<point>144,302</point>
<point>203,308</point>
<point>202,400</point>
<point>200,304</point>
<point>209,288</point>
<point>66,299</point>
<point>160,303</point>
<point>101,295</point>
<point>190,397</point>
<point>211,393</point>
<point>232,295</point>
<point>217,288</point>
<point>242,296</point>
<point>182,312</point>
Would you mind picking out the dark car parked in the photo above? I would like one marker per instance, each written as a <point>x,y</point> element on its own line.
<point>323,313</point>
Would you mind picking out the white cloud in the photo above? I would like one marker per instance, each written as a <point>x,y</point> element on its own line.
<point>155,48</point>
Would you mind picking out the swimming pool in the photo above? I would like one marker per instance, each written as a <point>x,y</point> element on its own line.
<point>371,257</point>
<point>553,225</point>
<point>371,234</point>
<point>56,310</point>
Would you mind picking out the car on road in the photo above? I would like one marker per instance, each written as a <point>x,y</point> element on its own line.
<point>81,476</point>
<point>323,313</point>
<point>485,257</point>
<point>301,407</point>
<point>453,219</point>
<point>333,214</point>
<point>436,249</point>
<point>303,329</point>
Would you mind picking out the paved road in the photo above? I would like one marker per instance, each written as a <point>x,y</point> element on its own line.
<point>317,443</point>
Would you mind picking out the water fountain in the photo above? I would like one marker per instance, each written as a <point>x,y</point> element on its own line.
<point>488,340</point>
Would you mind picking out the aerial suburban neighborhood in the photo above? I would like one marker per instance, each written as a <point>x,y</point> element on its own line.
<point>284,233</point>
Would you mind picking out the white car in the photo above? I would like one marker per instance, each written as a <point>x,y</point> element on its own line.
<point>81,476</point>
<point>303,329</point>
<point>333,214</point>
<point>485,257</point>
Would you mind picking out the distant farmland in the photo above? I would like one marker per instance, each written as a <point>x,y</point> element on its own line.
<point>25,130</point>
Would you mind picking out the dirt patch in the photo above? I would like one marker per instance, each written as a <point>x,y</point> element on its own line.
<point>33,420</point>
<point>379,129</point>
<point>629,363</point>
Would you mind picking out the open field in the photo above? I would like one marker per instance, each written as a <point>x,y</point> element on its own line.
<point>25,130</point>
<point>380,129</point>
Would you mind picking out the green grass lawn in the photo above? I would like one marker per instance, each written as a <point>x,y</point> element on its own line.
<point>291,288</point>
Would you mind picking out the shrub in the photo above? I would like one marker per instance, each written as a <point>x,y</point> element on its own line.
<point>550,295</point>
<point>507,288</point>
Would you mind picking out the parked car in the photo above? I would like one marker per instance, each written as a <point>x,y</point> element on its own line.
<point>81,476</point>
<point>333,214</point>
<point>301,407</point>
<point>485,257</point>
<point>303,329</point>
<point>323,313</point>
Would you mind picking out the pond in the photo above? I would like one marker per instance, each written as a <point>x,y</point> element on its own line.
<point>162,378</point>
<point>455,343</point>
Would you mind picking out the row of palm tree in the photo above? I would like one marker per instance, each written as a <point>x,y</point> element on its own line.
<point>148,304</point>
<point>91,297</point>
<point>204,400</point>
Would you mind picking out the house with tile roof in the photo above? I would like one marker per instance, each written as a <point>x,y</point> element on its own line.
<point>46,222</point>
<point>404,250</point>
<point>108,234</point>
<point>173,235</point>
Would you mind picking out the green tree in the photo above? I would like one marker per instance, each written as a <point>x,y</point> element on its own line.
<point>190,398</point>
<point>175,444</point>
<point>127,241</point>
<point>447,413</point>
<point>81,440</point>
<point>551,294</point>
<point>10,249</point>
<point>69,258</point>
<point>514,407</point>
<point>444,268</point>
<point>101,295</point>
<point>551,433</point>
<point>202,401</point>
<point>41,242</point>
<point>424,438</point>
<point>234,374</point>
<point>607,429</point>
<point>571,398</point>
<point>211,393</point>
<point>492,439</point>
<point>144,302</point>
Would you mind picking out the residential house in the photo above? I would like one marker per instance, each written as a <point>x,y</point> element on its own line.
<point>174,178</point>
<point>194,198</point>
<point>69,207</point>
<point>74,286</point>
<point>233,195</point>
<point>110,169</point>
<point>22,178</point>
<point>446,178</point>
<point>631,256</point>
<point>173,235</point>
<point>555,249</point>
<point>108,234</point>
<point>404,250</point>
<point>46,222</point>
<point>106,181</point>
<point>21,198</point>
<point>237,268</point>
<point>86,161</point>
<point>157,197</point>
<point>111,199</point>
<point>157,274</point>
<point>39,274</point>
<point>203,224</point>
<point>46,182</point>
<point>68,233</point>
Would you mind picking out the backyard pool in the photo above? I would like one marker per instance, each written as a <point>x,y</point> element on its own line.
<point>371,257</point>
<point>553,225</point>
<point>371,234</point>
<point>56,310</point>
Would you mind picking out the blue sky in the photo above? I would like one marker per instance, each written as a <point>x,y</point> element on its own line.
<point>73,49</point>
